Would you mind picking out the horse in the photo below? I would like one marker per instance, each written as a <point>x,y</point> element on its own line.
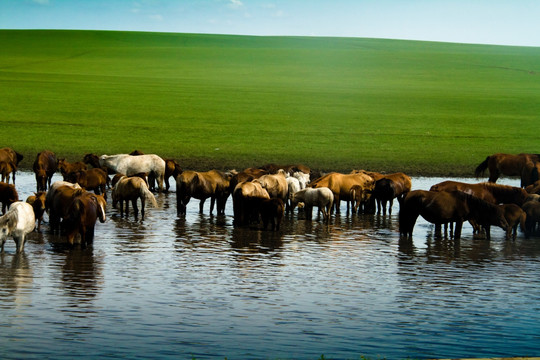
<point>271,211</point>
<point>95,179</point>
<point>341,185</point>
<point>8,195</point>
<point>17,222</point>
<point>293,185</point>
<point>275,184</point>
<point>172,168</point>
<point>360,199</point>
<point>322,197</point>
<point>485,214</point>
<point>38,205</point>
<point>389,187</point>
<point>44,167</point>
<point>490,192</point>
<point>66,167</point>
<point>529,173</point>
<point>212,184</point>
<point>302,177</point>
<point>532,211</point>
<point>514,216</point>
<point>127,164</point>
<point>57,202</point>
<point>247,196</point>
<point>131,188</point>
<point>248,174</point>
<point>504,164</point>
<point>11,157</point>
<point>83,212</point>
<point>7,168</point>
<point>533,188</point>
<point>443,207</point>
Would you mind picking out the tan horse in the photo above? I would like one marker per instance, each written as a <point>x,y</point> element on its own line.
<point>275,184</point>
<point>130,189</point>
<point>211,184</point>
<point>247,197</point>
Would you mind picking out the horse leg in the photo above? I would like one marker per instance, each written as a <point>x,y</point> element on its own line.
<point>457,232</point>
<point>391,203</point>
<point>201,206</point>
<point>487,229</point>
<point>89,233</point>
<point>143,203</point>
<point>212,203</point>
<point>135,208</point>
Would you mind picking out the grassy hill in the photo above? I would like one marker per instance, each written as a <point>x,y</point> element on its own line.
<point>217,101</point>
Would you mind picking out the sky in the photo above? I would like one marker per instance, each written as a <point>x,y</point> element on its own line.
<point>503,22</point>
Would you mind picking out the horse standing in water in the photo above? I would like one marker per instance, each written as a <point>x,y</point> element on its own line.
<point>130,165</point>
<point>17,222</point>
<point>44,167</point>
<point>505,164</point>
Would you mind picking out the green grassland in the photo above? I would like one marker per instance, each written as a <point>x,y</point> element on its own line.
<point>218,101</point>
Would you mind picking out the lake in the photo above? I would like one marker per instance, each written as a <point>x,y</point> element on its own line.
<point>196,287</point>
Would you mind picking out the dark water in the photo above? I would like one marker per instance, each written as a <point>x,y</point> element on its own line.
<point>197,287</point>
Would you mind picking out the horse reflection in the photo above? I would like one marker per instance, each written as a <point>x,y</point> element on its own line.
<point>81,276</point>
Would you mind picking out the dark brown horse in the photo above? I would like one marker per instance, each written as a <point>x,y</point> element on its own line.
<point>94,179</point>
<point>272,211</point>
<point>58,201</point>
<point>38,204</point>
<point>505,164</point>
<point>514,216</point>
<point>8,195</point>
<point>532,210</point>
<point>83,213</point>
<point>389,187</point>
<point>247,198</point>
<point>44,167</point>
<point>490,192</point>
<point>443,207</point>
<point>66,167</point>
<point>11,157</point>
<point>7,168</point>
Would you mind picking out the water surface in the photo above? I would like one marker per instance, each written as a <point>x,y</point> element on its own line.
<point>170,287</point>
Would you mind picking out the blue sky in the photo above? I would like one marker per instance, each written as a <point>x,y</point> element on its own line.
<point>506,22</point>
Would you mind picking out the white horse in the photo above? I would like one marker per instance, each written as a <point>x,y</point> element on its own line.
<point>18,221</point>
<point>294,186</point>
<point>302,177</point>
<point>321,197</point>
<point>130,165</point>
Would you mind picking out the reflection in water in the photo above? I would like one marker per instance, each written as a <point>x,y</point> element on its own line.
<point>196,286</point>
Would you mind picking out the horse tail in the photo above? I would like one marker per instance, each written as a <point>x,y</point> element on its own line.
<point>480,169</point>
<point>148,196</point>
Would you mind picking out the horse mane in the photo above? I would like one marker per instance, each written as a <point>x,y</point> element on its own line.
<point>499,189</point>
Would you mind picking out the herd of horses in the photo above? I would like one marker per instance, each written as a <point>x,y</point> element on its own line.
<point>260,195</point>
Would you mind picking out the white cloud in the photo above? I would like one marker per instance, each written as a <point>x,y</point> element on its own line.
<point>235,4</point>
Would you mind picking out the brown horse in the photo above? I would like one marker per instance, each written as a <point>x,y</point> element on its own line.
<point>247,197</point>
<point>533,188</point>
<point>93,179</point>
<point>341,184</point>
<point>514,216</point>
<point>442,207</point>
<point>490,192</point>
<point>83,213</point>
<point>66,167</point>
<point>38,204</point>
<point>8,195</point>
<point>12,158</point>
<point>7,168</point>
<point>58,201</point>
<point>532,210</point>
<point>172,168</point>
<point>130,189</point>
<point>211,184</point>
<point>505,164</point>
<point>44,167</point>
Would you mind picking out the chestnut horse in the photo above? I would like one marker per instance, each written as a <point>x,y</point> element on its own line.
<point>130,189</point>
<point>442,207</point>
<point>17,222</point>
<point>6,168</point>
<point>8,195</point>
<point>93,179</point>
<point>389,187</point>
<point>44,167</point>
<point>514,216</point>
<point>83,212</point>
<point>211,184</point>
<point>505,164</point>
<point>38,204</point>
<point>12,158</point>
<point>65,167</point>
<point>490,192</point>
<point>272,211</point>
<point>58,200</point>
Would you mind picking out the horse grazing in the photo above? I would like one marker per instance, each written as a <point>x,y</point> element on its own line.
<point>38,205</point>
<point>388,188</point>
<point>322,197</point>
<point>93,179</point>
<point>514,216</point>
<point>8,195</point>
<point>247,197</point>
<point>65,167</point>
<point>44,167</point>
<point>83,212</point>
<point>505,164</point>
<point>131,188</point>
<point>211,184</point>
<point>272,211</point>
<point>490,192</point>
<point>12,158</point>
<point>17,222</point>
<point>129,165</point>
